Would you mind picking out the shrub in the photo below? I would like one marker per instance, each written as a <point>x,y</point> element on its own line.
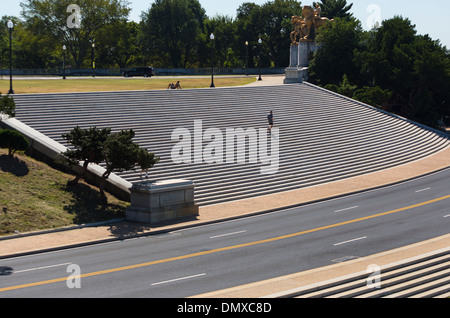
<point>13,141</point>
<point>7,105</point>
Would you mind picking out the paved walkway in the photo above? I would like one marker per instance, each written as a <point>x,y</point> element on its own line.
<point>91,234</point>
<point>268,80</point>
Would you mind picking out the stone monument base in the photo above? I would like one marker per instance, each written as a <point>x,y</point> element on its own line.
<point>293,75</point>
<point>297,72</point>
<point>305,49</point>
<point>163,201</point>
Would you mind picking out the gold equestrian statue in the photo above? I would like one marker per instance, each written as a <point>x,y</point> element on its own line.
<point>305,26</point>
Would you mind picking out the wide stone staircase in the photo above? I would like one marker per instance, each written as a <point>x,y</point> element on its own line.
<point>423,277</point>
<point>323,136</point>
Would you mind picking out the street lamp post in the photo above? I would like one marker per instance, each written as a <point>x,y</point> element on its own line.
<point>212,60</point>
<point>64,61</point>
<point>10,25</point>
<point>259,59</point>
<point>93,59</point>
<point>246,58</point>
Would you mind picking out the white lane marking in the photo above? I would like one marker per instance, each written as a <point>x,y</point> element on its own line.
<point>349,241</point>
<point>178,279</point>
<point>421,190</point>
<point>228,234</point>
<point>447,216</point>
<point>39,268</point>
<point>351,208</point>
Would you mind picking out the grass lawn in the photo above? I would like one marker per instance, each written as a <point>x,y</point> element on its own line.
<point>33,196</point>
<point>30,86</point>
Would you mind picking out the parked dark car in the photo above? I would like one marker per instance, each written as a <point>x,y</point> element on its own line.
<point>139,71</point>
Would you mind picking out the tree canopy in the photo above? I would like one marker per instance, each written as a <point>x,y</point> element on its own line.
<point>335,9</point>
<point>116,151</point>
<point>13,141</point>
<point>7,105</point>
<point>51,19</point>
<point>87,146</point>
<point>390,67</point>
<point>171,33</point>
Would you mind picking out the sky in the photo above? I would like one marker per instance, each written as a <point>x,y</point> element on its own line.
<point>430,19</point>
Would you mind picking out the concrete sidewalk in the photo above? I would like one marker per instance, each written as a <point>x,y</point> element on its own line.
<point>54,240</point>
<point>268,80</point>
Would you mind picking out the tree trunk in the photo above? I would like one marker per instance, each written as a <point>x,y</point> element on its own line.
<point>102,186</point>
<point>75,181</point>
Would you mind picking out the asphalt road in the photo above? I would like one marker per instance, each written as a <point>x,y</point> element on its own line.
<point>213,257</point>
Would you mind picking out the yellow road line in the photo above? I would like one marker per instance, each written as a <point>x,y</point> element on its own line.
<point>177,258</point>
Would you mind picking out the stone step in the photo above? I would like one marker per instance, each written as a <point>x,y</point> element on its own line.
<point>324,136</point>
<point>422,277</point>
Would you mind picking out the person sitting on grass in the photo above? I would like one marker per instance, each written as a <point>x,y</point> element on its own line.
<point>174,86</point>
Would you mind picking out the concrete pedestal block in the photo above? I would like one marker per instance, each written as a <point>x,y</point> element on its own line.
<point>163,201</point>
<point>293,56</point>
<point>304,51</point>
<point>293,75</point>
<point>297,72</point>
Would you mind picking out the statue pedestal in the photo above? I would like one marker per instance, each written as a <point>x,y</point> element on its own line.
<point>293,74</point>
<point>157,202</point>
<point>299,62</point>
<point>294,56</point>
<point>305,49</point>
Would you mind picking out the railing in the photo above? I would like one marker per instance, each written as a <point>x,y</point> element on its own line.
<point>157,71</point>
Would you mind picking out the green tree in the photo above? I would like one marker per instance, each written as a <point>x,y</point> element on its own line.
<point>30,49</point>
<point>344,88</point>
<point>248,29</point>
<point>385,57</point>
<point>50,18</point>
<point>171,32</point>
<point>276,29</point>
<point>13,141</point>
<point>338,41</point>
<point>117,45</point>
<point>4,42</point>
<point>413,67</point>
<point>120,154</point>
<point>335,9</point>
<point>87,147</point>
<point>7,105</point>
<point>224,43</point>
<point>146,160</point>
<point>374,96</point>
<point>272,23</point>
<point>116,150</point>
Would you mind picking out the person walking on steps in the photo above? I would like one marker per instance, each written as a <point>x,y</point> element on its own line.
<point>270,119</point>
